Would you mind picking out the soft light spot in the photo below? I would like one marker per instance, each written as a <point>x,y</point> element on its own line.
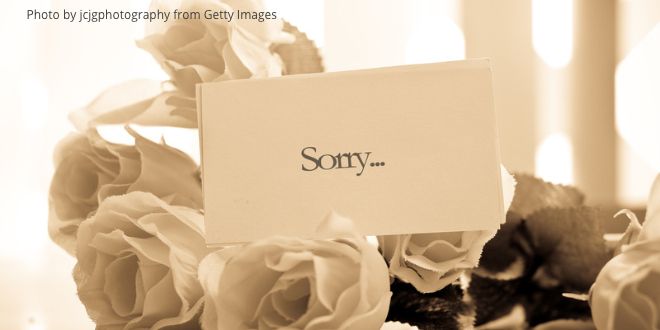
<point>638,100</point>
<point>435,36</point>
<point>372,240</point>
<point>307,15</point>
<point>34,104</point>
<point>34,324</point>
<point>552,31</point>
<point>554,159</point>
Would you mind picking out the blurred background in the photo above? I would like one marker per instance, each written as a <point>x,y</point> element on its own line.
<point>576,90</point>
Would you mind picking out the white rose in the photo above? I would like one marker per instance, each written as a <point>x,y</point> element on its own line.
<point>190,52</point>
<point>432,261</point>
<point>137,263</point>
<point>89,169</point>
<point>626,293</point>
<point>296,284</point>
<point>195,51</point>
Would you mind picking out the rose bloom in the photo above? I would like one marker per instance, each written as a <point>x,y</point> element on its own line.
<point>190,51</point>
<point>194,51</point>
<point>432,261</point>
<point>626,293</point>
<point>89,169</point>
<point>296,284</point>
<point>137,264</point>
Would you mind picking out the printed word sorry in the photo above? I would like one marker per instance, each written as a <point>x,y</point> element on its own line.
<point>339,161</point>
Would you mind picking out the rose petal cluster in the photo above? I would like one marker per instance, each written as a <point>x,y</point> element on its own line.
<point>296,284</point>
<point>627,290</point>
<point>89,169</point>
<point>190,51</point>
<point>432,261</point>
<point>137,263</point>
<point>626,293</point>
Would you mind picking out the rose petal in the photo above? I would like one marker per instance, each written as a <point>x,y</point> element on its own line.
<point>347,304</point>
<point>288,260</point>
<point>271,318</point>
<point>621,295</point>
<point>390,325</point>
<point>151,249</point>
<point>370,319</point>
<point>160,303</point>
<point>119,284</point>
<point>91,292</point>
<point>651,227</point>
<point>238,305</point>
<point>185,320</point>
<point>330,279</point>
<point>210,269</point>
<point>139,101</point>
<point>631,233</point>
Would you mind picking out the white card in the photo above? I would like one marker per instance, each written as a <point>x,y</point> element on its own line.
<point>408,149</point>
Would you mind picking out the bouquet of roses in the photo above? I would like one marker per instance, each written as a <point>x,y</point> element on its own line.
<point>132,216</point>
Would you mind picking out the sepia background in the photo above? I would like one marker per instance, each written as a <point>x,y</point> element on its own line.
<point>576,92</point>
